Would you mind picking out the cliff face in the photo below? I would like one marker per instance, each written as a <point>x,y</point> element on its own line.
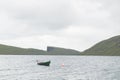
<point>61,51</point>
<point>49,49</point>
<point>110,47</point>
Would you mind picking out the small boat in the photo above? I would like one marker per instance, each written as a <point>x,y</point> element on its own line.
<point>44,63</point>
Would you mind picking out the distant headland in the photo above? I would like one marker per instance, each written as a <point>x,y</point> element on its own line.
<point>108,47</point>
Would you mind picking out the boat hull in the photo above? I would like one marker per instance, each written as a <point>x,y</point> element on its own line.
<point>44,63</point>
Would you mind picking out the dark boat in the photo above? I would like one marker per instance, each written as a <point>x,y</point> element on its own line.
<point>44,63</point>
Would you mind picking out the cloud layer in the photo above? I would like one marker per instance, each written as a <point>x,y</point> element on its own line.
<point>75,24</point>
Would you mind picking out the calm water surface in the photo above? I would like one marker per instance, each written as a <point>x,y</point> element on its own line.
<point>24,67</point>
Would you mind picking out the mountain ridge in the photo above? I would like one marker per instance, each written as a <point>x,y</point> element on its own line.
<point>11,50</point>
<point>108,47</point>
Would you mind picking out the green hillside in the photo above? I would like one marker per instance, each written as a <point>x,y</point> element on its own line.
<point>10,50</point>
<point>61,51</point>
<point>110,47</point>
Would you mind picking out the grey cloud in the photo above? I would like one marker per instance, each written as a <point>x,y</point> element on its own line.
<point>53,17</point>
<point>50,14</point>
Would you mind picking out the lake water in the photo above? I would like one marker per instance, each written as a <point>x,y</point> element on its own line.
<point>24,67</point>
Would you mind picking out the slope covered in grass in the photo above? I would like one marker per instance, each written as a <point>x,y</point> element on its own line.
<point>110,47</point>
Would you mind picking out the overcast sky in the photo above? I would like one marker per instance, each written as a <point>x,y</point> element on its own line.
<point>74,24</point>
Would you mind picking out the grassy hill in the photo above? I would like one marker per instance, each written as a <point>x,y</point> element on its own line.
<point>62,51</point>
<point>110,47</point>
<point>11,50</point>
